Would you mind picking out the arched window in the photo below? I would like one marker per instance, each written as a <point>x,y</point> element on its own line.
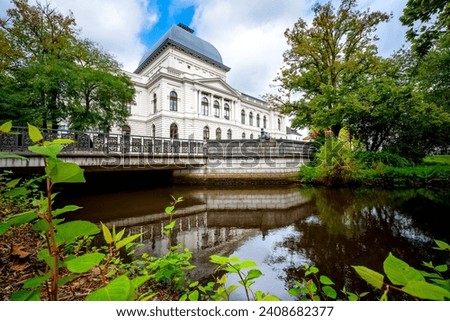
<point>174,131</point>
<point>264,122</point>
<point>243,135</point>
<point>154,103</point>
<point>205,106</point>
<point>258,124</point>
<point>226,110</point>
<point>218,133</point>
<point>173,101</point>
<point>229,134</point>
<point>251,136</point>
<point>243,116</point>
<point>206,132</point>
<point>216,108</point>
<point>250,119</point>
<point>154,130</point>
<point>279,123</point>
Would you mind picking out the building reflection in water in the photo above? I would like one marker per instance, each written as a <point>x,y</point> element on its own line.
<point>282,228</point>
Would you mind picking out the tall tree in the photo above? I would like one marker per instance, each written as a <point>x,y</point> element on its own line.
<point>324,62</point>
<point>427,20</point>
<point>45,81</point>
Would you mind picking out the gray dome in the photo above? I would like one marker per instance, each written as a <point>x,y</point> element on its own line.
<point>185,40</point>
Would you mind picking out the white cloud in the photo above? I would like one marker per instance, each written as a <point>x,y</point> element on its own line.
<point>248,34</point>
<point>114,24</point>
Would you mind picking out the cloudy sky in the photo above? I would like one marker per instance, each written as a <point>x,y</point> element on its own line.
<point>247,33</point>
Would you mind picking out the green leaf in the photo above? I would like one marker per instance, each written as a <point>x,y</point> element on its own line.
<point>117,237</point>
<point>253,274</point>
<point>85,262</point>
<point>60,172</point>
<point>13,183</point>
<point>6,127</point>
<point>294,291</point>
<point>169,209</point>
<point>24,295</point>
<point>442,268</point>
<point>329,292</point>
<point>399,272</point>
<point>65,209</point>
<point>325,280</point>
<point>119,289</point>
<point>107,234</point>
<point>60,141</point>
<point>426,291</point>
<point>442,245</point>
<point>216,259</point>
<point>12,156</point>
<point>36,281</point>
<point>140,280</point>
<point>15,192</point>
<point>270,297</point>
<point>247,264</point>
<point>170,226</point>
<point>4,227</point>
<point>34,133</point>
<point>374,278</point>
<point>193,296</point>
<point>67,279</point>
<point>21,218</point>
<point>50,151</point>
<point>42,225</point>
<point>70,231</point>
<point>127,240</point>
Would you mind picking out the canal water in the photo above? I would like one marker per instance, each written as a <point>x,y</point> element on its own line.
<point>282,228</point>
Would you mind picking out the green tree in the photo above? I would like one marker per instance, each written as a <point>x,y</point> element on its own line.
<point>427,20</point>
<point>47,82</point>
<point>433,73</point>
<point>99,95</point>
<point>324,62</point>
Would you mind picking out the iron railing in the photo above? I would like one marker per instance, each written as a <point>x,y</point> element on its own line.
<point>17,141</point>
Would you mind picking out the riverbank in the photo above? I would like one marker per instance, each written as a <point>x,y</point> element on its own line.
<point>430,173</point>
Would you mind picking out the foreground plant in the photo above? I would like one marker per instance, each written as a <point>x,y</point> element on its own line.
<point>401,277</point>
<point>62,266</point>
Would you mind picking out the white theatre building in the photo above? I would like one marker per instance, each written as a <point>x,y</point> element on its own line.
<point>181,92</point>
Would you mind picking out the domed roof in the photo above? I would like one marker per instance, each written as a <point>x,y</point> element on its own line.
<point>182,37</point>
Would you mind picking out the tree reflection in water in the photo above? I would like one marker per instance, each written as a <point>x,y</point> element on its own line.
<point>282,228</point>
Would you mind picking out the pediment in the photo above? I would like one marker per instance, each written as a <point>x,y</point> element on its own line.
<point>218,85</point>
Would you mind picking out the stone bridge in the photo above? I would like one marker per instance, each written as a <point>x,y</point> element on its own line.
<point>190,160</point>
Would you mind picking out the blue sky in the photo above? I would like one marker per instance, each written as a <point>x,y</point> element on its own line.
<point>247,33</point>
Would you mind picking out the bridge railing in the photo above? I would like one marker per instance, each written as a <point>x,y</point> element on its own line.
<point>96,142</point>
<point>259,148</point>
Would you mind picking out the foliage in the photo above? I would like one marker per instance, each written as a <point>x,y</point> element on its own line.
<point>425,285</point>
<point>437,159</point>
<point>433,75</point>
<point>324,63</point>
<point>427,21</point>
<point>68,255</point>
<point>219,290</point>
<point>334,163</point>
<point>316,287</point>
<point>62,266</point>
<point>370,159</point>
<point>51,75</point>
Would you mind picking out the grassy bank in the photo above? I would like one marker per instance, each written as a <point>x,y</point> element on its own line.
<point>434,171</point>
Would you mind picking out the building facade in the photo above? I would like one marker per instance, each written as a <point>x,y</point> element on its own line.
<point>181,92</point>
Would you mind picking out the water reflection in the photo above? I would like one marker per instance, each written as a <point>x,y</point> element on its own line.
<point>282,228</point>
